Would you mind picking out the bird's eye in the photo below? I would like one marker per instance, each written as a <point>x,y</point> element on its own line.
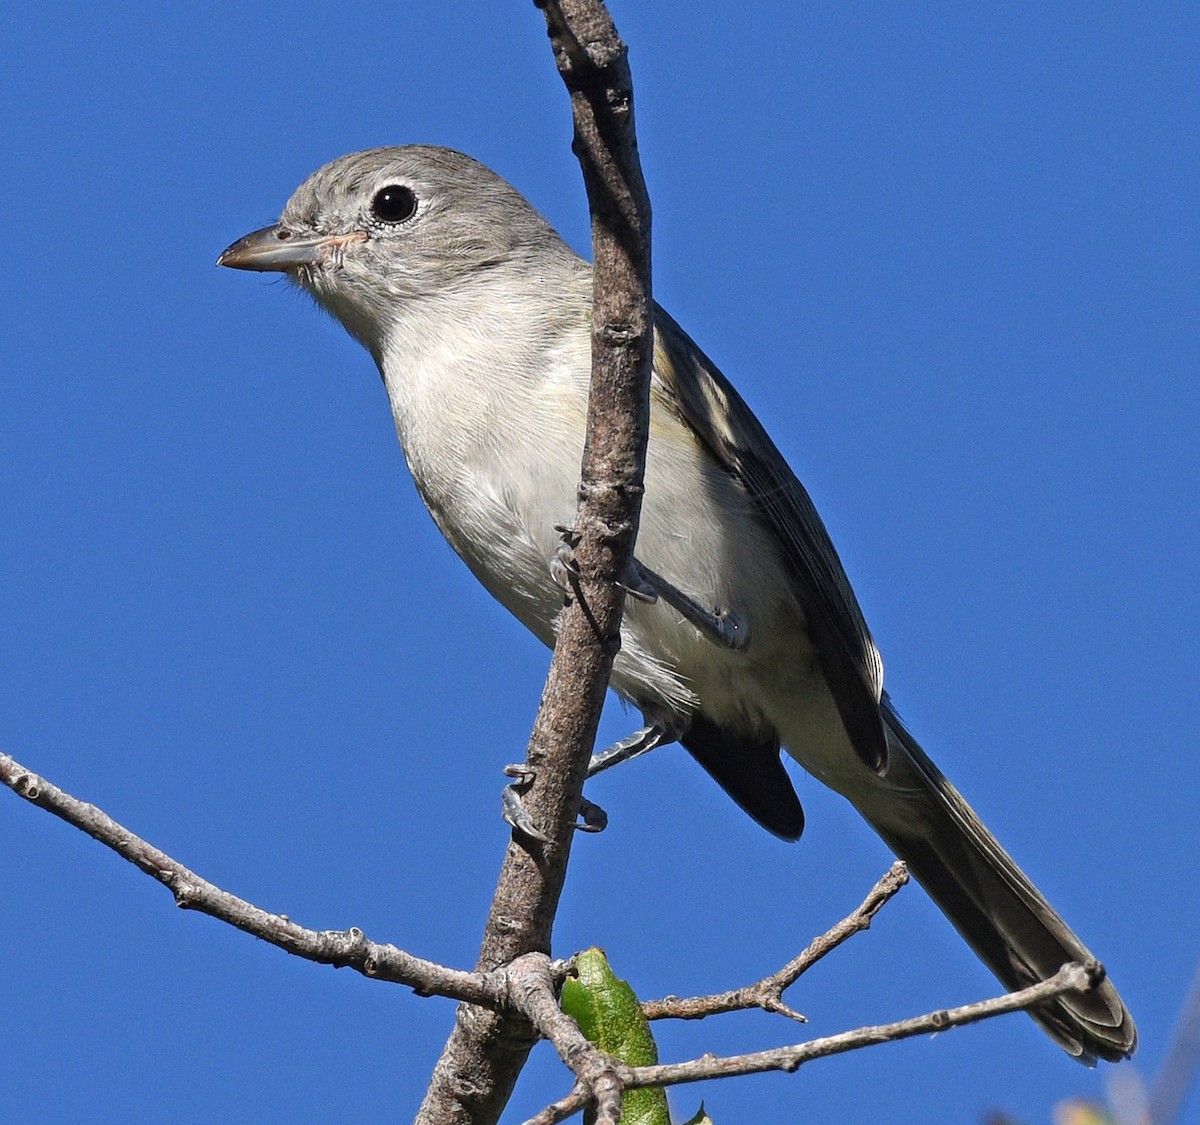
<point>394,204</point>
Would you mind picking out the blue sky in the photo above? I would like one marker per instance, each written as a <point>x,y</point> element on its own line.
<point>949,256</point>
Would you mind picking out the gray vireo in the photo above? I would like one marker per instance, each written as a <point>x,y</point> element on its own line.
<point>747,635</point>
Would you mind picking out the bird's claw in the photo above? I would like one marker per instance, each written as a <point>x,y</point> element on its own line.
<point>512,807</point>
<point>563,567</point>
<point>637,587</point>
<point>592,818</point>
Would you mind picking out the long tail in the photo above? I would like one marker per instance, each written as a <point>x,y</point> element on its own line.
<point>975,882</point>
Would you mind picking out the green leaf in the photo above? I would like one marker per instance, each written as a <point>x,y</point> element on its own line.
<point>610,1015</point>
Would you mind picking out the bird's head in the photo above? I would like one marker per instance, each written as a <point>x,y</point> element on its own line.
<point>376,229</point>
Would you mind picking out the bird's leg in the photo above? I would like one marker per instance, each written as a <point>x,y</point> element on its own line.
<point>724,627</point>
<point>661,729</point>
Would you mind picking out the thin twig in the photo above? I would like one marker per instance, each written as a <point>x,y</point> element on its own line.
<point>340,948</point>
<point>1070,978</point>
<point>528,986</point>
<point>768,992</point>
<point>562,1109</point>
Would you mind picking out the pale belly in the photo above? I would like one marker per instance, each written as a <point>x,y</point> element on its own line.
<point>498,503</point>
<point>498,486</point>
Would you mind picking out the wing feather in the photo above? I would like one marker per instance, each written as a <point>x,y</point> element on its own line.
<point>708,403</point>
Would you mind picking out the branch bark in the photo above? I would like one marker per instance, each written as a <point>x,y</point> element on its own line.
<point>341,948</point>
<point>1071,977</point>
<point>523,991</point>
<point>534,989</point>
<point>768,992</point>
<point>478,1067</point>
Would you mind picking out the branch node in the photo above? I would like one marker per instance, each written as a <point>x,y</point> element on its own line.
<point>1093,972</point>
<point>767,993</point>
<point>619,101</point>
<point>776,1005</point>
<point>619,334</point>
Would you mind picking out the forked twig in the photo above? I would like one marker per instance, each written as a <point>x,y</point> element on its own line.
<point>768,992</point>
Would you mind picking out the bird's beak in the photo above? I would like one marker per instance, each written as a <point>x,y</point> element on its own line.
<point>277,248</point>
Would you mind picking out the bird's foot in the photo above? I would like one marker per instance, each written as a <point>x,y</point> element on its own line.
<point>592,818</point>
<point>563,567</point>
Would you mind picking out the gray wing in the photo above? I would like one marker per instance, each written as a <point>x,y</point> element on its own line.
<point>847,655</point>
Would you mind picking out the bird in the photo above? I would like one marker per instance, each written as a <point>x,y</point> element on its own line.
<point>744,638</point>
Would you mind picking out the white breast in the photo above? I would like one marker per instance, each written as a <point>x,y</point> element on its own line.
<point>490,409</point>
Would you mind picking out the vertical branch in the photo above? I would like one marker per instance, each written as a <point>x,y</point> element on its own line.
<point>480,1063</point>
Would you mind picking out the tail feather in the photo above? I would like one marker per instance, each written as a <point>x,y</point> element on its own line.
<point>1000,913</point>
